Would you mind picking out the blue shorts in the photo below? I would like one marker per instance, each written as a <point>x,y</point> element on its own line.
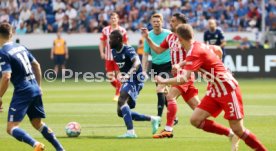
<point>59,59</point>
<point>133,89</point>
<point>20,106</point>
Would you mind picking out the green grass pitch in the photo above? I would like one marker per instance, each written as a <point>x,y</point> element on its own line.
<point>91,105</point>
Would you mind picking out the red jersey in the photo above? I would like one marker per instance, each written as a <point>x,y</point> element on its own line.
<point>178,54</point>
<point>105,37</point>
<point>201,58</point>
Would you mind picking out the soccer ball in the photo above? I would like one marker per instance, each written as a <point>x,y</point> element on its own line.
<point>73,129</point>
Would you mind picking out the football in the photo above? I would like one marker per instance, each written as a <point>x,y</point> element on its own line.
<point>73,129</point>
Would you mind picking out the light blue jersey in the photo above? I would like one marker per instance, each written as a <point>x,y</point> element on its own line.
<point>164,57</point>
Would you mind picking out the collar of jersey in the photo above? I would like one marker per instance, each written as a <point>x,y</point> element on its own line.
<point>120,50</point>
<point>7,43</point>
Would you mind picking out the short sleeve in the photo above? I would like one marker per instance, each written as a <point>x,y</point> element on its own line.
<point>146,47</point>
<point>103,36</point>
<point>193,63</point>
<point>4,63</point>
<point>31,57</point>
<point>125,38</point>
<point>164,44</point>
<point>131,53</point>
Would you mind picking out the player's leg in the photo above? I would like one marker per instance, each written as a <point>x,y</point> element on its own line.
<point>123,110</point>
<point>233,108</point>
<point>171,113</point>
<point>111,76</point>
<point>57,63</point>
<point>249,138</point>
<point>161,98</point>
<point>155,120</point>
<point>190,95</point>
<point>17,111</point>
<point>35,113</point>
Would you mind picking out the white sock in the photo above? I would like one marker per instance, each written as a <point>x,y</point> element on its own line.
<point>131,131</point>
<point>168,128</point>
<point>231,134</point>
<point>153,118</point>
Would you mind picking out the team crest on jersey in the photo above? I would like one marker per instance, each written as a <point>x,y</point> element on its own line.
<point>120,64</point>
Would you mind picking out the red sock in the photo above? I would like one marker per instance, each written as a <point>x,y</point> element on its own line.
<point>251,140</point>
<point>118,87</point>
<point>114,83</point>
<point>171,113</point>
<point>213,127</point>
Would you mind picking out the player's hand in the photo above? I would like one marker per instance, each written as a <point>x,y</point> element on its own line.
<point>66,56</point>
<point>1,107</point>
<point>145,32</point>
<point>146,75</point>
<point>159,79</point>
<point>103,56</point>
<point>52,57</point>
<point>175,69</point>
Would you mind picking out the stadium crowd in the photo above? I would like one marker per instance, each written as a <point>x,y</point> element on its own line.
<point>80,16</point>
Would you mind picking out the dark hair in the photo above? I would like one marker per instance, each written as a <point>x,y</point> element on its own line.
<point>5,30</point>
<point>181,17</point>
<point>118,34</point>
<point>185,31</point>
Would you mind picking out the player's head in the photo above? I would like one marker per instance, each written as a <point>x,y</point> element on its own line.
<point>116,39</point>
<point>185,33</point>
<point>177,18</point>
<point>5,32</point>
<point>114,19</point>
<point>212,24</point>
<point>156,21</point>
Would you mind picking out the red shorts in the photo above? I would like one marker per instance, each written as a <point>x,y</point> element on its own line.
<point>230,103</point>
<point>187,91</point>
<point>110,66</point>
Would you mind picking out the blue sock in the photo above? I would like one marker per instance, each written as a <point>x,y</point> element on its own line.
<point>50,136</point>
<point>127,116</point>
<point>22,136</point>
<point>139,117</point>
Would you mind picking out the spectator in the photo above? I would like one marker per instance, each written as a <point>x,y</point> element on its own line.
<point>71,12</point>
<point>4,15</point>
<point>257,45</point>
<point>21,30</point>
<point>65,24</point>
<point>245,44</point>
<point>40,15</point>
<point>58,4</point>
<point>271,22</point>
<point>13,6</point>
<point>59,17</point>
<point>15,20</point>
<point>266,44</point>
<point>25,13</point>
<point>92,28</point>
<point>31,24</point>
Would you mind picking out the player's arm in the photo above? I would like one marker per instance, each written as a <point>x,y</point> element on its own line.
<point>136,63</point>
<point>217,50</point>
<point>222,39</point>
<point>205,38</point>
<point>4,85</point>
<point>66,50</point>
<point>180,79</point>
<point>101,49</point>
<point>37,71</point>
<point>151,44</point>
<point>145,62</point>
<point>52,51</point>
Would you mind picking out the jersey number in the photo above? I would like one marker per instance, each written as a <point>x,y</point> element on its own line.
<point>26,63</point>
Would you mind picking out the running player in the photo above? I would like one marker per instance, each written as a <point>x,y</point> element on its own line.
<point>133,80</point>
<point>188,92</point>
<point>19,66</point>
<point>105,52</point>
<point>161,63</point>
<point>223,92</point>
